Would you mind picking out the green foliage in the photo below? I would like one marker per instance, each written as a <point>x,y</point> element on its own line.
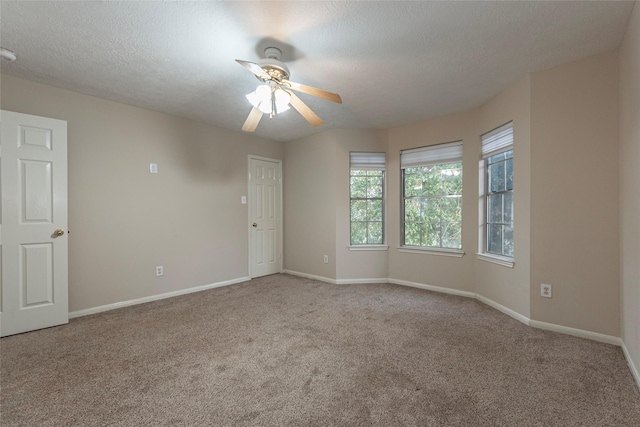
<point>366,188</point>
<point>433,206</point>
<point>500,204</point>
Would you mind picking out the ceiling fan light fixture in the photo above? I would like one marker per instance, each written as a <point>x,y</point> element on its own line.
<point>282,100</point>
<point>264,99</point>
<point>261,98</point>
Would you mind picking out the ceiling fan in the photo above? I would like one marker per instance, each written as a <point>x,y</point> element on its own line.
<point>275,95</point>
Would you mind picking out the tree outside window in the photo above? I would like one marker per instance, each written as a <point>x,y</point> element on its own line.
<point>433,206</point>
<point>499,224</point>
<point>367,207</point>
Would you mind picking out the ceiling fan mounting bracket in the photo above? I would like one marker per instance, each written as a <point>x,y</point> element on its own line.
<point>273,53</point>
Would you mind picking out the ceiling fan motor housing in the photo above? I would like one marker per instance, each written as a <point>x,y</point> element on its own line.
<point>272,65</point>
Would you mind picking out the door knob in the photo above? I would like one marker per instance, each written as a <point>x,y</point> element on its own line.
<point>59,232</point>
<point>255,225</point>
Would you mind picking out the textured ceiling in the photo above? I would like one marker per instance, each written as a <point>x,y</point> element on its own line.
<point>392,62</point>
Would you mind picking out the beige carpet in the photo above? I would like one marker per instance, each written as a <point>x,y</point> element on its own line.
<point>287,351</point>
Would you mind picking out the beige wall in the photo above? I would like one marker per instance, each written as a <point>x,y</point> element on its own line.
<point>630,186</point>
<point>355,264</point>
<point>574,194</point>
<point>428,269</point>
<point>123,221</point>
<point>509,287</point>
<point>309,177</point>
<point>317,221</point>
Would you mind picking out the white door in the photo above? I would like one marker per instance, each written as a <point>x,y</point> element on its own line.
<point>33,240</point>
<point>265,207</point>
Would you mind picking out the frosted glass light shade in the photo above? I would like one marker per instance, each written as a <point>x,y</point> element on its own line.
<point>282,100</point>
<point>263,99</point>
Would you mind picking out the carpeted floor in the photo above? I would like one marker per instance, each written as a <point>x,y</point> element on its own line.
<point>287,351</point>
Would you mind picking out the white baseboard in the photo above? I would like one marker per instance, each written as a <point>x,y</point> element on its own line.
<point>432,288</point>
<point>136,301</point>
<point>491,303</point>
<point>311,276</point>
<point>632,366</point>
<point>581,333</point>
<point>361,281</point>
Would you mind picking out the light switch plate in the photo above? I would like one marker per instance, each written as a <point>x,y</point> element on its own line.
<point>243,200</point>
<point>153,168</point>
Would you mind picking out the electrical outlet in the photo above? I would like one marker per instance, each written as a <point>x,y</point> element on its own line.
<point>153,167</point>
<point>326,259</point>
<point>545,290</point>
<point>159,270</point>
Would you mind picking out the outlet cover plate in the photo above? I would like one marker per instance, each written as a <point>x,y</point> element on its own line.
<point>545,290</point>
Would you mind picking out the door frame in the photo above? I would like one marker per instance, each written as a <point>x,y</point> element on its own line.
<point>250,203</point>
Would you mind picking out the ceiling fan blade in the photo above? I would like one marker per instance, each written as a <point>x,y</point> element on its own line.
<point>303,109</point>
<point>252,121</point>
<point>334,97</point>
<point>254,68</point>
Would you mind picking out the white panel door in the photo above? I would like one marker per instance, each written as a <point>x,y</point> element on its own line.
<point>265,204</point>
<point>33,242</point>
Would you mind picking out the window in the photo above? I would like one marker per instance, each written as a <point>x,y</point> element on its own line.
<point>367,198</point>
<point>497,154</point>
<point>432,196</point>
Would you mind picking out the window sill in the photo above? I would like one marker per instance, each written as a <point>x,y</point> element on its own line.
<point>431,251</point>
<point>368,247</point>
<point>495,259</point>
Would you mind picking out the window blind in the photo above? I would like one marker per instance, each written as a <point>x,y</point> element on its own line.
<point>497,140</point>
<point>450,152</point>
<point>367,161</point>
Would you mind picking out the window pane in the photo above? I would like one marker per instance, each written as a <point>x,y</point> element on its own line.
<point>433,234</point>
<point>374,188</point>
<point>497,157</point>
<point>358,232</point>
<point>431,182</point>
<point>431,209</point>
<point>508,241</point>
<point>509,166</point>
<point>366,206</point>
<point>412,184</point>
<point>450,209</point>
<point>452,235</point>
<point>494,238</point>
<point>432,206</point>
<point>375,232</point>
<point>508,208</point>
<point>452,179</point>
<point>412,210</point>
<point>494,211</point>
<point>374,210</point>
<point>413,233</point>
<point>358,210</point>
<point>496,177</point>
<point>358,187</point>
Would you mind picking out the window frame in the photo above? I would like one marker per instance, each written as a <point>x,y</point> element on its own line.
<point>424,157</point>
<point>488,194</point>
<point>497,141</point>
<point>368,161</point>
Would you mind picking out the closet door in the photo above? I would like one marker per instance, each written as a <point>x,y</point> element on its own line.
<point>33,238</point>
